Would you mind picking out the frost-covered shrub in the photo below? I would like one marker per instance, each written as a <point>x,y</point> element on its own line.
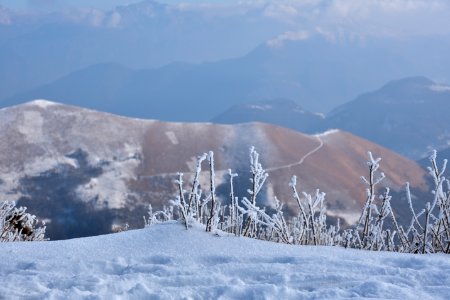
<point>429,229</point>
<point>428,232</point>
<point>159,216</point>
<point>120,228</point>
<point>244,216</point>
<point>18,225</point>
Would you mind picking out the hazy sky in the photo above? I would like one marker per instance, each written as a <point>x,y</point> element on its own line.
<point>34,4</point>
<point>103,4</point>
<point>363,17</point>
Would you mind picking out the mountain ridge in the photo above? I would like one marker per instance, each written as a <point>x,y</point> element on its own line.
<point>295,70</point>
<point>406,115</point>
<point>109,168</point>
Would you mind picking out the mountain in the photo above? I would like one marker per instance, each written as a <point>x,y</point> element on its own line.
<point>176,92</point>
<point>407,115</point>
<point>84,171</point>
<point>39,48</point>
<point>313,71</point>
<point>282,112</point>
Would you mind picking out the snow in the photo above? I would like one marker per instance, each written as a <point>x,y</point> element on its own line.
<point>350,217</point>
<point>167,262</point>
<point>328,132</point>
<point>42,103</point>
<point>321,115</point>
<point>172,137</point>
<point>439,88</point>
<point>32,127</point>
<point>280,40</point>
<point>110,188</point>
<point>260,107</point>
<point>11,178</point>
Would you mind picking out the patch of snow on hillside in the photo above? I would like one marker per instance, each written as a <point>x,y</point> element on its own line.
<point>167,262</point>
<point>259,107</point>
<point>11,178</point>
<point>439,88</point>
<point>45,163</point>
<point>280,40</point>
<point>42,103</point>
<point>350,217</point>
<point>192,164</point>
<point>327,133</point>
<point>110,188</point>
<point>172,137</point>
<point>32,127</point>
<point>321,115</point>
<point>270,195</point>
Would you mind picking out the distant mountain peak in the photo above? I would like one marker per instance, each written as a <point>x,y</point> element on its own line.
<point>415,82</point>
<point>409,90</point>
<point>407,115</point>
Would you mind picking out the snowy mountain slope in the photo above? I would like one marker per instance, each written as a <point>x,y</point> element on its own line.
<point>167,262</point>
<point>84,171</point>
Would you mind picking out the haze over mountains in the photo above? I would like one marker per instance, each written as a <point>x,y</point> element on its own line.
<point>255,51</point>
<point>38,47</point>
<point>313,71</point>
<point>83,170</point>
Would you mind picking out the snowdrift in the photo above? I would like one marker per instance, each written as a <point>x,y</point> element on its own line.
<point>166,261</point>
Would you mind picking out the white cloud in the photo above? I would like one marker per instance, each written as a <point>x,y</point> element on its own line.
<point>96,17</point>
<point>353,17</point>
<point>114,19</point>
<point>280,11</point>
<point>388,17</point>
<point>5,18</point>
<point>328,35</point>
<point>364,17</point>
<point>287,36</point>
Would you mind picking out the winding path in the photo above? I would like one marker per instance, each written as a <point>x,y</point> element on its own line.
<point>297,163</point>
<point>301,160</point>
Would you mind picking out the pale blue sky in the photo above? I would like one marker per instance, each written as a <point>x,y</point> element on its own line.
<point>27,4</point>
<point>104,4</point>
<point>361,17</point>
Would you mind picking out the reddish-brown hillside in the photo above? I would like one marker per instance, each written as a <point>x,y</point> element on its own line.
<point>52,153</point>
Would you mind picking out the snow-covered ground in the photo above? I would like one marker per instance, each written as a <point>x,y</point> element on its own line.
<point>167,262</point>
